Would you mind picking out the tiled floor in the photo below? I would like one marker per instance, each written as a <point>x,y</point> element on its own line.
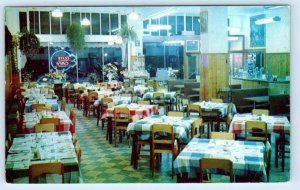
<point>104,163</point>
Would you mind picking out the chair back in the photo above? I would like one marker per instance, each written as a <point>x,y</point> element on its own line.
<point>158,96</point>
<point>217,100</point>
<point>35,106</point>
<point>162,134</point>
<point>260,112</point>
<point>92,95</point>
<point>221,135</point>
<point>78,151</point>
<point>121,114</point>
<point>44,108</point>
<point>256,131</point>
<point>47,127</point>
<point>73,117</point>
<point>126,95</point>
<point>129,90</point>
<point>36,170</point>
<point>176,113</point>
<point>215,163</point>
<point>193,108</point>
<point>197,124</point>
<point>54,120</point>
<point>81,90</point>
<point>144,102</point>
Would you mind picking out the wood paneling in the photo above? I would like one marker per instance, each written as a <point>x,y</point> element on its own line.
<point>279,64</point>
<point>214,75</point>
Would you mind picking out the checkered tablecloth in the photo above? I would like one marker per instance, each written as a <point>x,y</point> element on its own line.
<point>168,96</point>
<point>247,156</point>
<point>142,110</point>
<point>181,125</point>
<point>30,119</point>
<point>118,100</point>
<point>113,84</point>
<point>48,102</point>
<point>215,106</point>
<point>277,124</point>
<point>43,147</point>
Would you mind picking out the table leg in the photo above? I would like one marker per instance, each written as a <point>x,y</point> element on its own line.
<point>134,152</point>
<point>109,129</point>
<point>283,151</point>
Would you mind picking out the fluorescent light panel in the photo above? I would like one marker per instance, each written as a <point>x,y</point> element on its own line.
<point>268,20</point>
<point>233,29</point>
<point>57,13</point>
<point>166,13</point>
<point>133,16</point>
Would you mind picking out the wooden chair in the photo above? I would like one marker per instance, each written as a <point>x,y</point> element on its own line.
<point>47,127</point>
<point>63,104</point>
<point>73,119</point>
<point>72,96</point>
<point>256,131</point>
<point>43,108</point>
<point>121,120</point>
<point>35,106</point>
<point>215,163</point>
<point>217,100</point>
<point>227,120</point>
<point>78,152</point>
<point>194,110</point>
<point>126,95</point>
<point>36,170</point>
<point>143,102</point>
<point>196,132</point>
<point>281,149</point>
<point>159,99</point>
<point>222,135</point>
<point>129,90</point>
<point>78,101</point>
<point>260,112</point>
<point>54,120</point>
<point>162,141</point>
<point>104,106</point>
<point>267,158</point>
<point>176,113</point>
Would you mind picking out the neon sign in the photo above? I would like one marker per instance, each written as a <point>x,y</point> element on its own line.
<point>62,59</point>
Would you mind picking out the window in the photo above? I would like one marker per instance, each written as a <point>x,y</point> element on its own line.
<point>23,20</point>
<point>114,23</point>
<point>104,24</point>
<point>76,18</point>
<point>163,21</point>
<point>87,29</point>
<point>34,21</point>
<point>154,22</point>
<point>65,22</point>
<point>196,25</point>
<point>172,22</point>
<point>123,19</point>
<point>55,25</point>
<point>145,24</point>
<point>180,25</point>
<point>95,23</point>
<point>45,24</point>
<point>189,23</point>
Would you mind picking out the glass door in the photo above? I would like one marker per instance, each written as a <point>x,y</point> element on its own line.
<point>193,66</point>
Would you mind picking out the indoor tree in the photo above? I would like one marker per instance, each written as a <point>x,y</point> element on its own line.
<point>75,36</point>
<point>127,34</point>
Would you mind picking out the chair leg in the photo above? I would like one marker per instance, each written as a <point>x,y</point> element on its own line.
<point>115,135</point>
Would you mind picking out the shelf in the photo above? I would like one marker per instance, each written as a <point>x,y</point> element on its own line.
<point>279,80</point>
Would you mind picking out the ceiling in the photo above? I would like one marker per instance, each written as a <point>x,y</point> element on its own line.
<point>147,11</point>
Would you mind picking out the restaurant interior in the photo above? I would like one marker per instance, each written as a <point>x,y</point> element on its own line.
<point>147,94</point>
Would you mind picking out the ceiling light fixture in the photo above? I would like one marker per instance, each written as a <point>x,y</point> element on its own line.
<point>57,13</point>
<point>85,21</point>
<point>133,16</point>
<point>165,13</point>
<point>153,27</point>
<point>267,20</point>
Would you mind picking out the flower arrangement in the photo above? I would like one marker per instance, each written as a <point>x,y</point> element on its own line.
<point>57,75</point>
<point>110,71</point>
<point>173,73</point>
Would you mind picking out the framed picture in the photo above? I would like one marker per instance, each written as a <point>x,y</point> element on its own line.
<point>257,32</point>
<point>192,46</point>
<point>203,21</point>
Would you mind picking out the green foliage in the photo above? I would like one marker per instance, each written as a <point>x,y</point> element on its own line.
<point>75,36</point>
<point>29,43</point>
<point>127,32</point>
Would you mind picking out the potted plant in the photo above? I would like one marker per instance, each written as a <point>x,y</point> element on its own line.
<point>93,78</point>
<point>29,43</point>
<point>127,34</point>
<point>75,37</point>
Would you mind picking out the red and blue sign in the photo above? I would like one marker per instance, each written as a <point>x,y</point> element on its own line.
<point>62,59</point>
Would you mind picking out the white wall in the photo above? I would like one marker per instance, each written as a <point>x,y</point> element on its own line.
<point>215,41</point>
<point>12,20</point>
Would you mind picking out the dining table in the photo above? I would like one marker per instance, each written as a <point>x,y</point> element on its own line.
<point>32,118</point>
<point>257,99</point>
<point>208,106</point>
<point>35,148</point>
<point>134,109</point>
<point>169,96</point>
<point>47,101</point>
<point>182,128</point>
<point>247,157</point>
